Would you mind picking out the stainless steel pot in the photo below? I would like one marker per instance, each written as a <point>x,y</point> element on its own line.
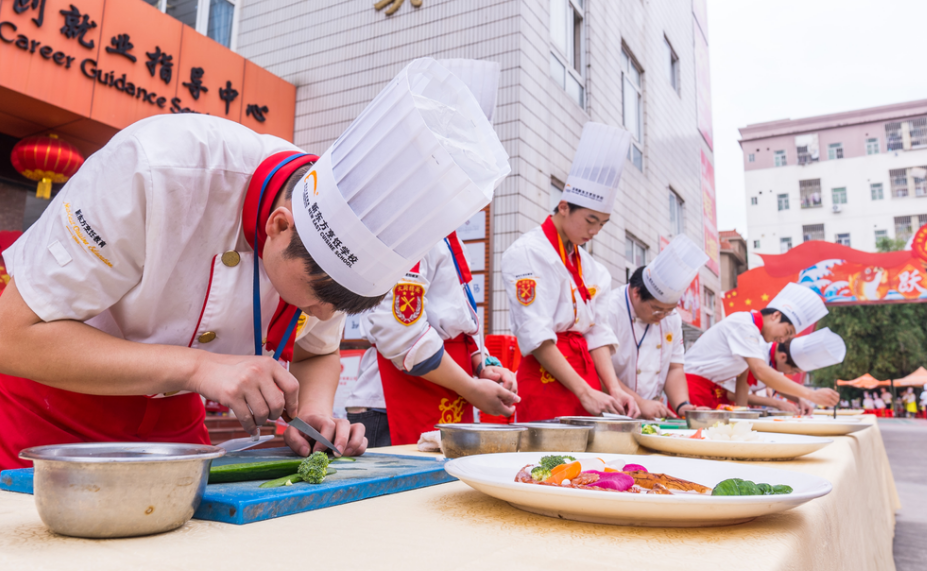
<point>550,437</point>
<point>706,418</point>
<point>468,439</point>
<point>608,434</point>
<point>119,489</point>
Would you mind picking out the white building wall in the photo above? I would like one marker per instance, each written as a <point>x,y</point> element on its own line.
<point>340,54</point>
<point>860,216</point>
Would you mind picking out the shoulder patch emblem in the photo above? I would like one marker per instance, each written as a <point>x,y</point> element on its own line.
<point>408,302</point>
<point>669,337</point>
<point>592,291</point>
<point>525,290</point>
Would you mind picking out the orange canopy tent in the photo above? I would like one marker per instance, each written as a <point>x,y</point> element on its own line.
<point>916,379</point>
<point>867,381</point>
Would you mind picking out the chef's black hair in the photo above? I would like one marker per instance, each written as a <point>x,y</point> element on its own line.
<point>325,288</point>
<point>637,282</point>
<point>782,317</point>
<point>573,207</point>
<point>786,348</point>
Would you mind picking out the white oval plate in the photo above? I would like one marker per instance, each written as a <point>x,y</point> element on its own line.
<point>811,426</point>
<point>494,475</point>
<point>840,411</point>
<point>767,447</point>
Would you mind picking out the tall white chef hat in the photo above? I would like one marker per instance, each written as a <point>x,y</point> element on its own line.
<point>481,76</point>
<point>820,349</point>
<point>597,166</point>
<point>416,164</point>
<point>801,305</point>
<point>671,272</point>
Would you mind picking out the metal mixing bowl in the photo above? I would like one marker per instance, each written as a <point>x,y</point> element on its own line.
<point>119,489</point>
<point>608,434</point>
<point>549,437</point>
<point>706,418</point>
<point>746,414</point>
<point>468,439</point>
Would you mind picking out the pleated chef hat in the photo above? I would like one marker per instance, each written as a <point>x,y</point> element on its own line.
<point>801,305</point>
<point>482,77</point>
<point>416,164</point>
<point>671,272</point>
<point>818,350</point>
<point>597,166</point>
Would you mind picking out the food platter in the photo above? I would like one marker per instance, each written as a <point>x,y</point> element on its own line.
<point>768,446</point>
<point>840,411</point>
<point>811,426</point>
<point>494,475</point>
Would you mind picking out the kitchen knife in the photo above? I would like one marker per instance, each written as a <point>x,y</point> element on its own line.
<point>312,433</point>
<point>237,444</point>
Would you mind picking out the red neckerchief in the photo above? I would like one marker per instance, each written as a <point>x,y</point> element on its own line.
<point>457,251</point>
<point>575,269</point>
<point>285,311</point>
<point>758,322</point>
<point>772,356</point>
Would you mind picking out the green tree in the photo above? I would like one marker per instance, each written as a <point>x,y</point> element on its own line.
<point>886,244</point>
<point>887,341</point>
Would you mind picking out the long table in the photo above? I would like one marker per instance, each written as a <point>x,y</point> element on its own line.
<point>453,527</point>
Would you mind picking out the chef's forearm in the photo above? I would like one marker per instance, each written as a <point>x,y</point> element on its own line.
<point>776,380</point>
<point>318,380</point>
<point>73,356</point>
<point>550,357</point>
<point>602,358</point>
<point>676,388</point>
<point>742,389</point>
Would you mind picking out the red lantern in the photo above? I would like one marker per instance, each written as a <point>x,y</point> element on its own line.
<point>47,159</point>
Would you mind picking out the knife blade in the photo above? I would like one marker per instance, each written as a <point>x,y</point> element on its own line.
<point>236,444</point>
<point>312,433</point>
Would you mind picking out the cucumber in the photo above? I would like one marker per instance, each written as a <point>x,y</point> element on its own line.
<point>266,470</point>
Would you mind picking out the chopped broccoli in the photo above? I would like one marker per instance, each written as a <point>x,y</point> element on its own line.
<point>649,429</point>
<point>313,469</point>
<point>550,462</point>
<point>540,473</point>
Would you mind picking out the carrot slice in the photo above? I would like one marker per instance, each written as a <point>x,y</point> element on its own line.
<point>564,472</point>
<point>698,434</point>
<point>607,469</point>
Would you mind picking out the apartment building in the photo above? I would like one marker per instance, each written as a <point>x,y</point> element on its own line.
<point>850,178</point>
<point>640,65</point>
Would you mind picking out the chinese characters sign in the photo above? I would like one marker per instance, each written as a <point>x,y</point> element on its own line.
<point>710,215</point>
<point>116,62</point>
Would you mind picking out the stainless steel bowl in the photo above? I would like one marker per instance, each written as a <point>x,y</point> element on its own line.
<point>550,437</point>
<point>119,489</point>
<point>707,418</point>
<point>608,434</point>
<point>779,413</point>
<point>469,439</point>
<point>746,414</point>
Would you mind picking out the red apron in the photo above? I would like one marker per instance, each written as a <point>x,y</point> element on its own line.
<point>415,405</point>
<point>703,392</point>
<point>542,396</point>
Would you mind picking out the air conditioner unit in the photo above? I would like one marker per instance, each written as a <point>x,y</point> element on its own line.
<point>836,208</point>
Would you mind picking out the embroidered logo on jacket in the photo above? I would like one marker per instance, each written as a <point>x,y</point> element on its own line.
<point>546,377</point>
<point>669,337</point>
<point>525,290</point>
<point>408,302</point>
<point>451,411</point>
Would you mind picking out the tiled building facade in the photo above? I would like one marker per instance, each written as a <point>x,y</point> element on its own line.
<point>564,62</point>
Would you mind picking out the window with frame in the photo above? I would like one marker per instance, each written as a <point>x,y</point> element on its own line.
<point>756,243</point>
<point>785,244</point>
<point>779,158</point>
<point>879,234</point>
<point>783,201</point>
<point>566,54</point>
<point>876,190</point>
<point>677,213</point>
<point>839,195</point>
<point>217,19</point>
<point>872,146</point>
<point>632,112</point>
<point>903,227</point>
<point>635,256</point>
<point>673,62</point>
<point>754,200</point>
<point>751,158</point>
<point>843,239</point>
<point>556,193</point>
<point>708,304</point>
<point>810,191</point>
<point>834,151</point>
<point>906,135</point>
<point>918,180</point>
<point>812,232</point>
<point>899,181</point>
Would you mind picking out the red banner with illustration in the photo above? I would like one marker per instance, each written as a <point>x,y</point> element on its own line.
<point>839,274</point>
<point>710,215</point>
<point>689,306</point>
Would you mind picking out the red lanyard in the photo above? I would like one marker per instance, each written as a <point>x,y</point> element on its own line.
<point>576,270</point>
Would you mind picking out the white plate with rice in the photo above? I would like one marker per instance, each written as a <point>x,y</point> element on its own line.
<point>809,425</point>
<point>743,445</point>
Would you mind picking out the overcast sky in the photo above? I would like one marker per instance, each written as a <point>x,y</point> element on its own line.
<point>799,58</point>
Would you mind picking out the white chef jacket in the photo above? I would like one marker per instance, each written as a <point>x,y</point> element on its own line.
<point>720,353</point>
<point>645,372</point>
<point>731,384</point>
<point>551,310</point>
<point>446,313</point>
<point>133,243</point>
<point>368,390</point>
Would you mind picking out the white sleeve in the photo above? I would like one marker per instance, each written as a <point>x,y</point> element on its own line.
<point>322,337</point>
<point>88,248</point>
<point>679,348</point>
<point>601,333</point>
<point>745,340</point>
<point>405,342</point>
<point>532,321</point>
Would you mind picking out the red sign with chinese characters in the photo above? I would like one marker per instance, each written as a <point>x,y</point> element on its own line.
<point>710,215</point>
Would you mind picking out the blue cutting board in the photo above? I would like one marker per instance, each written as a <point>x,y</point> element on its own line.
<point>244,502</point>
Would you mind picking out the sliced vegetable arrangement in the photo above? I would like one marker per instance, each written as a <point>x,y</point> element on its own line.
<point>284,472</point>
<point>738,487</point>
